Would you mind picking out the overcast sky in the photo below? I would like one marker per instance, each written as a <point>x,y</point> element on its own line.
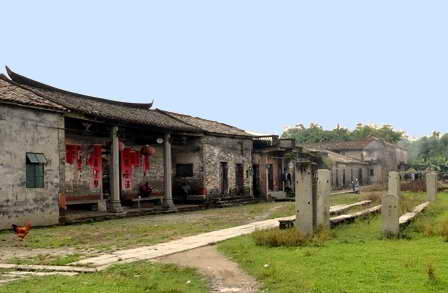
<point>258,65</point>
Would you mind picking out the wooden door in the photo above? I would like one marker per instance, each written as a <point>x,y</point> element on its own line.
<point>239,178</point>
<point>256,180</point>
<point>224,177</point>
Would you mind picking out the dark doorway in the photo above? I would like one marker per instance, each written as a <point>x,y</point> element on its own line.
<point>279,185</point>
<point>343,178</point>
<point>360,176</point>
<point>270,177</point>
<point>224,177</point>
<point>337,177</point>
<point>239,178</point>
<point>256,180</point>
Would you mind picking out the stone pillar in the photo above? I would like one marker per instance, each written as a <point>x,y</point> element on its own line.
<point>304,198</point>
<point>390,211</point>
<point>323,198</point>
<point>115,173</point>
<point>168,185</point>
<point>431,185</point>
<point>394,183</point>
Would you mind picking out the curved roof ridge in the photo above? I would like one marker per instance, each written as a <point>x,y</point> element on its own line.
<point>208,120</point>
<point>20,79</point>
<point>12,92</point>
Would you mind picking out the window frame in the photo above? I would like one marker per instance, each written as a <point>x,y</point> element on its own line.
<point>35,170</point>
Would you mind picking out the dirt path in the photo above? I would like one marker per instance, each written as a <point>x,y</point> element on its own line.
<point>223,274</point>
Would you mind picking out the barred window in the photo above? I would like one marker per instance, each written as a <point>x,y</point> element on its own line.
<point>35,170</point>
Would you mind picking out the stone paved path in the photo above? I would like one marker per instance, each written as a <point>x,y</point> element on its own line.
<point>180,245</point>
<point>176,246</point>
<point>221,279</point>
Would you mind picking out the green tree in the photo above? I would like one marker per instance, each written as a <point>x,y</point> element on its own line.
<point>316,134</point>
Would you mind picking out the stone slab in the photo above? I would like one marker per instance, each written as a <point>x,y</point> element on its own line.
<point>408,217</point>
<point>337,209</point>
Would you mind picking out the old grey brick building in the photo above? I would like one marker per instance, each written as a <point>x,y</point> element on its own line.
<point>380,156</point>
<point>32,142</point>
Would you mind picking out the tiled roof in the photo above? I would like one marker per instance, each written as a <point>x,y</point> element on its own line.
<point>133,113</point>
<point>14,94</point>
<point>335,157</point>
<point>344,145</point>
<point>209,126</point>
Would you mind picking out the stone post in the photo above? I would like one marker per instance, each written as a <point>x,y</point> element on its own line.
<point>304,198</point>
<point>323,198</point>
<point>115,173</point>
<point>431,185</point>
<point>394,183</point>
<point>390,211</point>
<point>168,200</point>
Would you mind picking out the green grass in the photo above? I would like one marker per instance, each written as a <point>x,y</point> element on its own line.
<point>46,259</point>
<point>357,259</point>
<point>351,198</point>
<point>139,277</point>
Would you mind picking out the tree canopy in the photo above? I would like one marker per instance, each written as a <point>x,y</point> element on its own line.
<point>429,152</point>
<point>316,134</point>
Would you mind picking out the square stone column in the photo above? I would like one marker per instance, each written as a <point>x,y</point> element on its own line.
<point>168,184</point>
<point>323,198</point>
<point>431,185</point>
<point>394,184</point>
<point>115,173</point>
<point>390,212</point>
<point>305,198</point>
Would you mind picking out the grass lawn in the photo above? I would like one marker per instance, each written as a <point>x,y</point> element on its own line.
<point>138,277</point>
<point>374,196</point>
<point>357,258</point>
<point>45,259</point>
<point>92,238</point>
<point>139,231</point>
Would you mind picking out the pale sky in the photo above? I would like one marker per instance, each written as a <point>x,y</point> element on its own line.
<point>258,65</point>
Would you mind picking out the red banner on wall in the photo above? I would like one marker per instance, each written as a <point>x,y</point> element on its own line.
<point>96,164</point>
<point>73,154</point>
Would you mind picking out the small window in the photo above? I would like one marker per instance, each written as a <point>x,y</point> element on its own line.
<point>372,172</point>
<point>35,170</point>
<point>184,170</point>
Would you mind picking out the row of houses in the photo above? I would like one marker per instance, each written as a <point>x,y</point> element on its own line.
<point>63,150</point>
<point>367,161</point>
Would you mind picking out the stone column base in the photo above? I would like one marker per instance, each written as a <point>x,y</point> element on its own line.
<point>169,205</point>
<point>102,206</point>
<point>116,207</point>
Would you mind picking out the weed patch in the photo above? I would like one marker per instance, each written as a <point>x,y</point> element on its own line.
<point>290,238</point>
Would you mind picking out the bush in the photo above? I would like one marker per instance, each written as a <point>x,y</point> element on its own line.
<point>289,237</point>
<point>444,230</point>
<point>374,196</point>
<point>408,202</point>
<point>374,187</point>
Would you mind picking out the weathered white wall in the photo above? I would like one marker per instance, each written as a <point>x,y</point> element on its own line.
<point>25,130</point>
